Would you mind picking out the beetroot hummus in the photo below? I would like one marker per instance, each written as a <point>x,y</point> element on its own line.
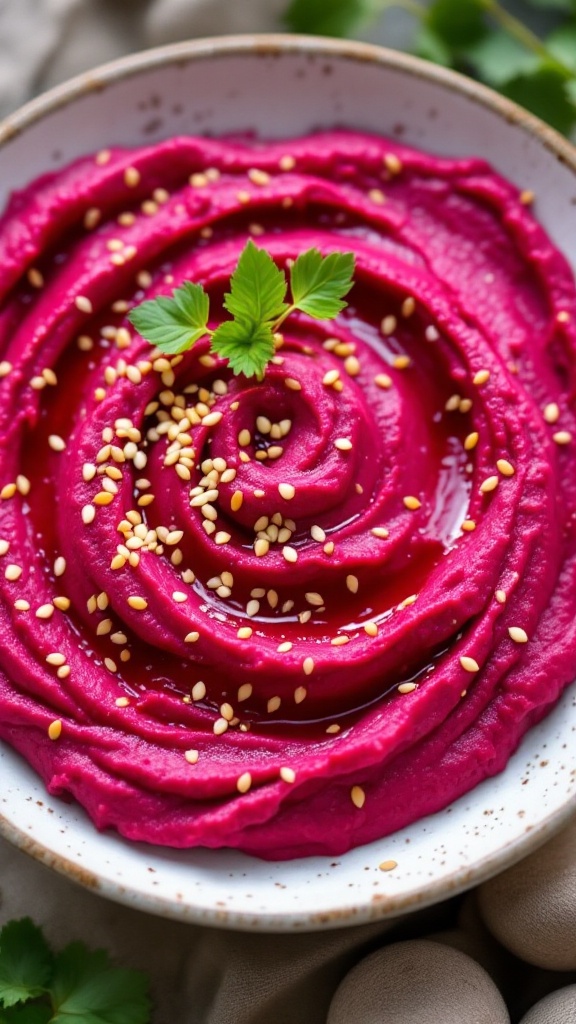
<point>296,615</point>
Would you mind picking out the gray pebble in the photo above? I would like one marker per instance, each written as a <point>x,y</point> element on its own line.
<point>557,1008</point>
<point>531,908</point>
<point>415,981</point>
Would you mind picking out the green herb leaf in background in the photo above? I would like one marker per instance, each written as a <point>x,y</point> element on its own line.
<point>75,986</point>
<point>25,962</point>
<point>484,38</point>
<point>86,988</point>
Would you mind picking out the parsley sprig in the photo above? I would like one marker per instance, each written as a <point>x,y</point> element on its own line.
<point>257,304</point>
<point>536,68</point>
<point>74,986</point>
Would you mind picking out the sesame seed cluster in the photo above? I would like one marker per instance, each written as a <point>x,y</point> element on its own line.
<point>290,615</point>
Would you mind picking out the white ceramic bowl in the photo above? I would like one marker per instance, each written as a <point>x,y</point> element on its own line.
<point>283,86</point>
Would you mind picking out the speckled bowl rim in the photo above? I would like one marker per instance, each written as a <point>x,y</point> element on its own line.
<point>271,44</point>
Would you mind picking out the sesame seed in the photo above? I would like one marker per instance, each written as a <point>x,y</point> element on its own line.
<point>290,553</point>
<point>191,756</point>
<point>13,572</point>
<point>118,562</point>
<point>198,690</point>
<point>292,384</point>
<point>55,729</point>
<point>332,729</point>
<point>220,726</point>
<point>388,865</point>
<point>468,525</point>
<point>330,378</point>
<point>551,412</point>
<point>56,659</point>
<point>244,633</point>
<point>131,177</point>
<point>343,444</point>
<point>465,405</point>
<point>35,278</point>
<point>286,491</point>
<point>562,437</point>
<point>88,513</point>
<point>45,611</point>
<point>244,782</point>
<point>518,635</point>
<point>103,498</point>
<point>328,547</point>
<point>505,467</point>
<point>5,368</point>
<point>371,628</point>
<point>8,491</point>
<point>56,443</point>
<point>273,704</point>
<point>192,637</point>
<point>315,599</point>
<point>308,666</point>
<point>412,503</point>
<point>61,603</point>
<point>284,647</point>
<point>63,672</point>
<point>381,532</point>
<point>287,775</point>
<point>122,702</point>
<point>82,302</point>
<point>358,796</point>
<point>21,605</point>
<point>563,317</point>
<point>407,688</point>
<point>481,377</point>
<point>4,547</point>
<point>401,362</point>
<point>252,608</point>
<point>104,627</point>
<point>261,547</point>
<point>339,641</point>
<point>388,325</point>
<point>179,596</point>
<point>490,484</point>
<point>471,441</point>
<point>469,664</point>
<point>227,711</point>
<point>500,596</point>
<point>352,584</point>
<point>300,694</point>
<point>317,534</point>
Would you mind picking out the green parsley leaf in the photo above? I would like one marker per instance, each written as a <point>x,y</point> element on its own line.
<point>25,962</point>
<point>86,989</point>
<point>319,282</point>
<point>173,324</point>
<point>257,287</point>
<point>248,346</point>
<point>327,17</point>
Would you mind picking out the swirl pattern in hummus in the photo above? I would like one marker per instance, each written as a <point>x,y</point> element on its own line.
<point>289,616</point>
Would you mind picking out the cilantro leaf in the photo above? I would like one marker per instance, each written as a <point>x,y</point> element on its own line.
<point>319,282</point>
<point>173,324</point>
<point>248,346</point>
<point>257,287</point>
<point>25,962</point>
<point>327,17</point>
<point>86,989</point>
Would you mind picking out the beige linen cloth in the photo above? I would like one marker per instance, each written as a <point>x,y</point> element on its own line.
<point>198,975</point>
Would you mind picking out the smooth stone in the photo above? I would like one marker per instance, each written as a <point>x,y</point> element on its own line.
<point>557,1008</point>
<point>416,981</point>
<point>531,908</point>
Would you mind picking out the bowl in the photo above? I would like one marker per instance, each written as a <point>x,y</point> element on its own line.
<point>282,86</point>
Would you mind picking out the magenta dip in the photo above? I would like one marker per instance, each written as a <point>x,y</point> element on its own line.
<point>408,470</point>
